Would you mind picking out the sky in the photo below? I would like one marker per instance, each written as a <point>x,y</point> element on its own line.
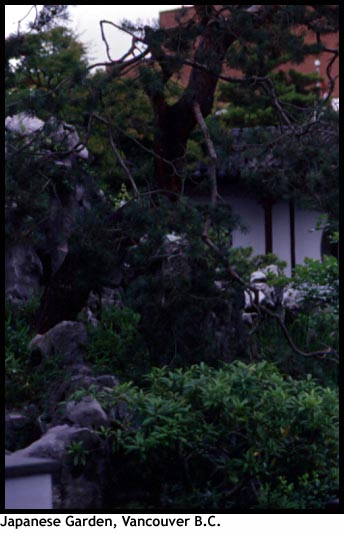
<point>85,22</point>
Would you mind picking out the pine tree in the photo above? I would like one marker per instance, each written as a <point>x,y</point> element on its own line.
<point>254,39</point>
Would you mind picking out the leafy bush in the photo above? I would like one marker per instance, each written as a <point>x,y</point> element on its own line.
<point>23,383</point>
<point>314,327</point>
<point>17,338</point>
<point>243,436</point>
<point>116,346</point>
<point>320,283</point>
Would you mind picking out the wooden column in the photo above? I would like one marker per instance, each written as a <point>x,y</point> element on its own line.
<point>267,205</point>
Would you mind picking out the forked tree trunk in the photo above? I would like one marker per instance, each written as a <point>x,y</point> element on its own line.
<point>174,124</point>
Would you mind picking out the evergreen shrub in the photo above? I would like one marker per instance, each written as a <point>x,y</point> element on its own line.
<point>242,436</point>
<point>116,346</point>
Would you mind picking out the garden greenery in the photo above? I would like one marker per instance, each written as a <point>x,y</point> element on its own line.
<point>242,436</point>
<point>255,425</point>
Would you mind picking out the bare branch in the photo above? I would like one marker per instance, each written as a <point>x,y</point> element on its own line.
<point>123,164</point>
<point>211,151</point>
<point>27,14</point>
<point>269,87</point>
<point>317,354</point>
<point>213,160</point>
<point>102,22</point>
<point>135,40</point>
<point>332,80</point>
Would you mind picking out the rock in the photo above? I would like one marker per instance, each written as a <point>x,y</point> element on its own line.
<point>249,318</point>
<point>64,207</point>
<point>110,298</point>
<point>80,493</point>
<point>67,340</point>
<point>107,299</point>
<point>82,477</point>
<point>292,299</point>
<point>80,369</point>
<point>57,412</point>
<point>226,329</point>
<point>67,135</point>
<point>108,381</point>
<point>175,261</point>
<point>54,443</point>
<point>257,276</point>
<point>23,271</point>
<point>261,292</point>
<point>174,238</point>
<point>272,269</point>
<point>120,412</point>
<point>23,124</point>
<point>86,413</point>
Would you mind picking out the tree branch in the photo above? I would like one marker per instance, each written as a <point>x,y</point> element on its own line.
<point>135,38</point>
<point>123,165</point>
<point>211,152</point>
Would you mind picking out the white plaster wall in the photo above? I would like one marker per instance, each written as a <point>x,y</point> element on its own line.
<point>281,233</point>
<point>29,493</point>
<point>252,215</point>
<point>307,242</point>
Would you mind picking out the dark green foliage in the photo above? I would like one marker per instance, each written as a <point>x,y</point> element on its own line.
<point>172,286</point>
<point>23,383</point>
<point>226,436</point>
<point>310,332</point>
<point>243,436</point>
<point>17,338</point>
<point>116,345</point>
<point>250,104</point>
<point>95,248</point>
<point>314,326</point>
<point>47,75</point>
<point>123,104</point>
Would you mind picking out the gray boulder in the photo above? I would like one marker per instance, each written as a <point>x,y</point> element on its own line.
<point>54,444</point>
<point>27,126</point>
<point>292,299</point>
<point>86,413</point>
<point>24,124</point>
<point>59,143</point>
<point>67,340</point>
<point>174,257</point>
<point>23,271</point>
<point>82,476</point>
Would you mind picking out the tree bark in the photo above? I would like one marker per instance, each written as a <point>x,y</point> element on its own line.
<point>174,123</point>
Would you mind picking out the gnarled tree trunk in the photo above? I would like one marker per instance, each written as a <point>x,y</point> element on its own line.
<point>174,123</point>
